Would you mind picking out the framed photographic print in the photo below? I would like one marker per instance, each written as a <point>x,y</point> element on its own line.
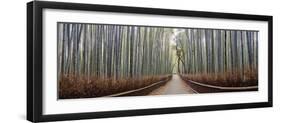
<point>94,61</point>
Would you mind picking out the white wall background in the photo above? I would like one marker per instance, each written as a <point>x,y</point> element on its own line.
<point>13,61</point>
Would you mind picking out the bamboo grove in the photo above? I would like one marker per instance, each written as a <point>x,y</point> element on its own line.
<point>98,60</point>
<point>218,57</point>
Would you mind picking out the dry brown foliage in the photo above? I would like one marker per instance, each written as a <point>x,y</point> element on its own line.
<point>71,86</point>
<point>235,78</point>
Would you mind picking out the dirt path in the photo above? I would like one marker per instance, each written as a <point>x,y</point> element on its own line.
<point>175,86</point>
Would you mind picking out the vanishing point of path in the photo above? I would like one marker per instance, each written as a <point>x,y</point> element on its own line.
<point>175,86</point>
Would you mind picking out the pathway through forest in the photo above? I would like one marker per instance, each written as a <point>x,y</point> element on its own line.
<point>175,86</point>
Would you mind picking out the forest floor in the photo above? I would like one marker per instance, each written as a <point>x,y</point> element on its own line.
<point>175,86</point>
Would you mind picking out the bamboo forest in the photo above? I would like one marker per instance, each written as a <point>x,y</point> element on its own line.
<point>105,60</point>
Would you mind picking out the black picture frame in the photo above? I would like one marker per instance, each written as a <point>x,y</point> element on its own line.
<point>35,69</point>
